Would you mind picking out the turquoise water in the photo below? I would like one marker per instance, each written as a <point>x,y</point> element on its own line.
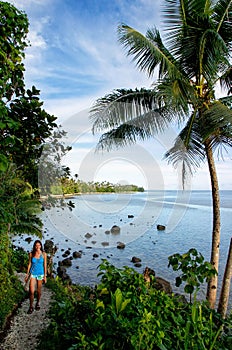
<point>186,215</point>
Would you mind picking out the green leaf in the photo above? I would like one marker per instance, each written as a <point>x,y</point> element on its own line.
<point>3,163</point>
<point>118,299</point>
<point>189,289</point>
<point>124,304</point>
<point>104,291</point>
<point>100,304</point>
<point>178,281</point>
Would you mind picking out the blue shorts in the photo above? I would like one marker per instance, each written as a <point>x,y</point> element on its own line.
<point>38,277</point>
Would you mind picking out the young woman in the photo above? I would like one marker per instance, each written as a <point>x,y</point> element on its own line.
<point>37,268</point>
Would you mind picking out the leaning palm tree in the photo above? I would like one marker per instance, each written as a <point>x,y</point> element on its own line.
<point>190,62</point>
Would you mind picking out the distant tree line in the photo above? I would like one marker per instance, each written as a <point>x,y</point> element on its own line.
<point>75,186</point>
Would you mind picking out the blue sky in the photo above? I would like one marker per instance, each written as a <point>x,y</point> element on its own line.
<point>75,58</point>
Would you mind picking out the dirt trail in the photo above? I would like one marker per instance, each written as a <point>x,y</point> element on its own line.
<point>24,328</point>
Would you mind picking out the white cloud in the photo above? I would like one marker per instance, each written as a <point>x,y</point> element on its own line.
<point>36,39</point>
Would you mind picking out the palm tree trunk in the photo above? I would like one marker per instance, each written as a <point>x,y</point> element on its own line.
<point>225,291</point>
<point>213,283</point>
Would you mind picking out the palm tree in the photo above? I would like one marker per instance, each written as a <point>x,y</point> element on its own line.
<point>190,62</point>
<point>19,207</point>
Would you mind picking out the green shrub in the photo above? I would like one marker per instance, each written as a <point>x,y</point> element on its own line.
<point>11,290</point>
<point>194,270</point>
<point>11,293</point>
<point>19,259</point>
<point>124,312</point>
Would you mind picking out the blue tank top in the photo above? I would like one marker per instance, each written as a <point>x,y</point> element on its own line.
<point>37,265</point>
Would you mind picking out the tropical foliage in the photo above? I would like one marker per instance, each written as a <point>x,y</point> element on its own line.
<point>24,128</point>
<point>194,270</point>
<point>190,63</point>
<point>124,312</point>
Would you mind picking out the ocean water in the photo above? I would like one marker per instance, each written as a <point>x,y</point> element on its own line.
<point>186,215</point>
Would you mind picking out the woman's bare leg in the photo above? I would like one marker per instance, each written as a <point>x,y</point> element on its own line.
<point>39,291</point>
<point>32,291</point>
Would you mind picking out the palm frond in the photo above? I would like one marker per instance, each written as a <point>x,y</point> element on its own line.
<point>122,106</point>
<point>195,36</point>
<point>222,13</point>
<point>148,51</point>
<point>217,116</point>
<point>182,19</point>
<point>140,128</point>
<point>226,80</point>
<point>188,151</point>
<point>227,101</point>
<point>122,136</point>
<point>183,14</point>
<point>221,140</point>
<point>216,123</point>
<point>177,95</point>
<point>30,206</point>
<point>213,53</point>
<point>177,13</point>
<point>28,228</point>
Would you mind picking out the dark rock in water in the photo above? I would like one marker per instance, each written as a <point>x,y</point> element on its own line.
<point>138,264</point>
<point>88,235</point>
<point>50,247</point>
<point>66,254</point>
<point>107,232</point>
<point>61,270</point>
<point>62,273</point>
<point>115,229</point>
<point>135,259</point>
<point>28,239</point>
<point>130,216</point>
<point>66,262</point>
<point>161,227</point>
<point>95,255</point>
<point>156,282</point>
<point>163,285</point>
<point>121,245</point>
<point>77,255</point>
<point>105,244</point>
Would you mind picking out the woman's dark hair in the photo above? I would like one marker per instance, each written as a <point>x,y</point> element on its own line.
<point>34,250</point>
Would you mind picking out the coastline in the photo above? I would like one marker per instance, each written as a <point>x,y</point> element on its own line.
<point>73,195</point>
<point>95,215</point>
